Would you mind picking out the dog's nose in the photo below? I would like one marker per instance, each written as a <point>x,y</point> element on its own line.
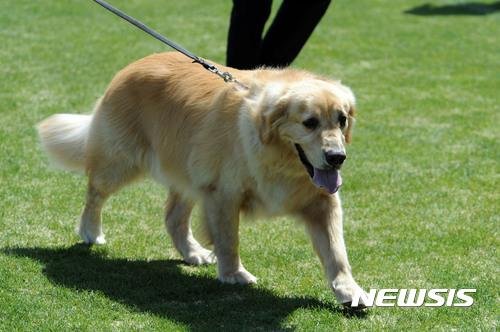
<point>334,158</point>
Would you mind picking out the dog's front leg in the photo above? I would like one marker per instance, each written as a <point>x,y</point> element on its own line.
<point>222,216</point>
<point>324,223</point>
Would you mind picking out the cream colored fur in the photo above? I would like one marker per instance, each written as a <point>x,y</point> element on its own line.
<point>229,149</point>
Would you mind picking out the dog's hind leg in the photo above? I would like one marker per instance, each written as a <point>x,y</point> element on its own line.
<point>178,226</point>
<point>105,178</point>
<point>90,228</point>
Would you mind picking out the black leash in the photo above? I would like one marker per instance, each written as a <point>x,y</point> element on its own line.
<point>227,77</point>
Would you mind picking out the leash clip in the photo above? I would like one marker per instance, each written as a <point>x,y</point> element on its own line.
<point>226,76</point>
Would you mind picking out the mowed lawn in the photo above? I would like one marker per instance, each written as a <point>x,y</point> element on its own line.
<point>420,190</point>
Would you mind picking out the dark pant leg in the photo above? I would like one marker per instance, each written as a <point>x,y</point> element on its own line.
<point>244,42</point>
<point>292,26</point>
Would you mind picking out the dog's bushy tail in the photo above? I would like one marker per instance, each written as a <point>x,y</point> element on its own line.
<point>64,137</point>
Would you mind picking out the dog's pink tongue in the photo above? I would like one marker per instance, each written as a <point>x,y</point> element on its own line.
<point>328,179</point>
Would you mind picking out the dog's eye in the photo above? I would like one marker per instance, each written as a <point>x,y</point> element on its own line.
<point>311,123</point>
<point>342,120</point>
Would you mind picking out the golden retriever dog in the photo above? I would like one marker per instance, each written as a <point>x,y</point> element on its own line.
<point>275,147</point>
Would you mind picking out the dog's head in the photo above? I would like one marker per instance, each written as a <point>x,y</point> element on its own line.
<point>317,117</point>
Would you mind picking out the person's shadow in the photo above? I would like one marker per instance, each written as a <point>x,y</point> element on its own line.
<point>464,8</point>
<point>160,287</point>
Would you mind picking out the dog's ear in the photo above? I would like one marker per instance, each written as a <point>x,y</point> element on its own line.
<point>350,123</point>
<point>350,107</point>
<point>271,116</point>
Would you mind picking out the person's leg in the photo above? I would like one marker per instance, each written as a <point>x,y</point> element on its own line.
<point>244,41</point>
<point>292,26</point>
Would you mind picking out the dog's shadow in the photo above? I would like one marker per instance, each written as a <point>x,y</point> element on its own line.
<point>162,288</point>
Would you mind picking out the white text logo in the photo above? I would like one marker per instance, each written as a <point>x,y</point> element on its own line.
<point>391,297</point>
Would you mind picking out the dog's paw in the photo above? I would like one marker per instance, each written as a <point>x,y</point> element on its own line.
<point>200,256</point>
<point>241,276</point>
<point>348,292</point>
<point>90,238</point>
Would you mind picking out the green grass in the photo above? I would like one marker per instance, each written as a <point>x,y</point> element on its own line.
<point>421,184</point>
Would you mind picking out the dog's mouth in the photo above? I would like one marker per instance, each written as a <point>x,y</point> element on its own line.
<point>328,179</point>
